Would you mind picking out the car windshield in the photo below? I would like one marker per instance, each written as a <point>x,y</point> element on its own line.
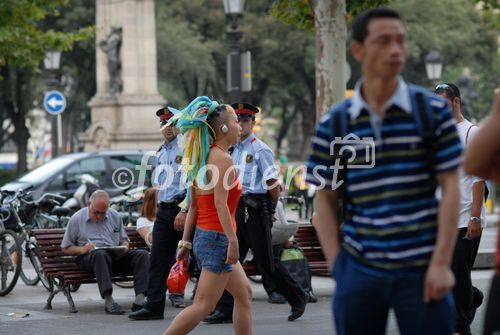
<point>43,172</point>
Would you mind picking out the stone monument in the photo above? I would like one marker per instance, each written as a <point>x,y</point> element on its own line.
<point>123,109</point>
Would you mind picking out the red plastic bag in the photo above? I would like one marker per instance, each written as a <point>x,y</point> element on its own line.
<point>178,277</point>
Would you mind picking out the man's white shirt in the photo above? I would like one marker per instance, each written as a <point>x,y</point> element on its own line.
<point>467,181</point>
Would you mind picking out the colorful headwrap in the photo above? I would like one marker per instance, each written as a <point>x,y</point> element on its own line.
<point>192,122</point>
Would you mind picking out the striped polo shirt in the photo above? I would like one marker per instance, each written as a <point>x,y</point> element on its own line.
<point>390,224</point>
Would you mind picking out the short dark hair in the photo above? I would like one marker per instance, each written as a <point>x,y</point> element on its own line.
<point>361,22</point>
<point>450,90</point>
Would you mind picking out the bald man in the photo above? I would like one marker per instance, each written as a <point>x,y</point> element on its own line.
<point>89,232</point>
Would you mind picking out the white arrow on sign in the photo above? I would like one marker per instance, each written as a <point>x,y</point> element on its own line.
<point>53,102</point>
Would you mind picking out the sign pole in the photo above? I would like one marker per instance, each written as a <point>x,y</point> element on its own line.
<point>54,144</point>
<point>59,135</point>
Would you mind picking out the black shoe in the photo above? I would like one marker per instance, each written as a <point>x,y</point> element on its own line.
<point>114,309</point>
<point>136,307</point>
<point>276,298</point>
<point>144,314</point>
<point>298,310</point>
<point>218,317</point>
<point>311,297</point>
<point>477,299</point>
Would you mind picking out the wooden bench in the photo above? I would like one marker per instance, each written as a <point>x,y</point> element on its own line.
<point>61,269</point>
<point>306,239</point>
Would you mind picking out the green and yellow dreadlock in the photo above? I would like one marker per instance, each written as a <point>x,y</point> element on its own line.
<point>192,122</point>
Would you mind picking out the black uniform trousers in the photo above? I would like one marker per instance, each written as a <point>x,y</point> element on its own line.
<point>491,319</point>
<point>253,235</point>
<point>464,294</point>
<point>163,252</point>
<point>106,263</point>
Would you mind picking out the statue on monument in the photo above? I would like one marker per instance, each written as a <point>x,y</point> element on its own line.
<point>111,46</point>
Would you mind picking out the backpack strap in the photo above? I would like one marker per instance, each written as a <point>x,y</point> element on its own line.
<point>467,135</point>
<point>341,130</point>
<point>424,119</point>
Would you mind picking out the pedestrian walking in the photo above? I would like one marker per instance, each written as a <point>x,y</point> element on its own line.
<point>395,246</point>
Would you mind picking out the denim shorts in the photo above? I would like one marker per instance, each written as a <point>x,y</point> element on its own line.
<point>210,250</point>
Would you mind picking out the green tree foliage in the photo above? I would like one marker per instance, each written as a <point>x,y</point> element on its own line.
<point>192,53</point>
<point>465,36</point>
<point>300,14</point>
<point>27,30</point>
<point>464,31</point>
<point>22,42</point>
<point>191,49</point>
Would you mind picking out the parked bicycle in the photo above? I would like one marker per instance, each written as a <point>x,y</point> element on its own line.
<point>10,255</point>
<point>129,204</point>
<point>26,215</point>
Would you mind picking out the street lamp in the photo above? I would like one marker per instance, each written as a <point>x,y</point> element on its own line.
<point>433,65</point>
<point>52,60</point>
<point>234,10</point>
<point>51,63</point>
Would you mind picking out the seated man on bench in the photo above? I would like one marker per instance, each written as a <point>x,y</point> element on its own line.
<point>95,234</point>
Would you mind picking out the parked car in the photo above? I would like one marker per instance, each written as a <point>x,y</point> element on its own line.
<point>60,174</point>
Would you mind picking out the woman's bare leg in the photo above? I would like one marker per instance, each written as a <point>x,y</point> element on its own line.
<point>209,291</point>
<point>240,289</point>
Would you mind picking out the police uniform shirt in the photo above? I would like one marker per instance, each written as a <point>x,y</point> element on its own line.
<point>254,161</point>
<point>168,172</point>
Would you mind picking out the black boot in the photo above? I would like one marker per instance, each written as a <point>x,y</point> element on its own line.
<point>218,317</point>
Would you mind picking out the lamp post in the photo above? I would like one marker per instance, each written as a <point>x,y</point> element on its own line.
<point>234,11</point>
<point>434,66</point>
<point>51,63</point>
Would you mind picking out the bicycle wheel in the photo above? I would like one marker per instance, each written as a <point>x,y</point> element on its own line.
<point>37,265</point>
<point>11,257</point>
<point>29,273</point>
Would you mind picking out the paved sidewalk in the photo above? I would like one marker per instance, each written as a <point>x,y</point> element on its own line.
<point>91,319</point>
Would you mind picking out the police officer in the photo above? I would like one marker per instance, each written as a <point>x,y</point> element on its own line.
<point>255,163</point>
<point>167,229</point>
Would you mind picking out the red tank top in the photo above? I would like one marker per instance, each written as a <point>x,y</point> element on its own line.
<point>208,218</point>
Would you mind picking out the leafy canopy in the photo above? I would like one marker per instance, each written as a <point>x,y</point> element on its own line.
<point>22,42</point>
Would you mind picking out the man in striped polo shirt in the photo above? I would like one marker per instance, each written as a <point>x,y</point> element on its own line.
<point>395,247</point>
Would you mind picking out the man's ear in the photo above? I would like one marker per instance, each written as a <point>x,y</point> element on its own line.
<point>357,50</point>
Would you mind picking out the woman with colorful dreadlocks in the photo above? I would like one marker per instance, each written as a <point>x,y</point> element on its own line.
<point>209,130</point>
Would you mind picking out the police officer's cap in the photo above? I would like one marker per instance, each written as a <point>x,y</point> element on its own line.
<point>244,109</point>
<point>165,113</point>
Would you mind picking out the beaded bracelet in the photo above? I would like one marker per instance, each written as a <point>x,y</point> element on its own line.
<point>185,244</point>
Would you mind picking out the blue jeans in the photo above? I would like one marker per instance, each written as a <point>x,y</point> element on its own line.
<point>210,250</point>
<point>362,301</point>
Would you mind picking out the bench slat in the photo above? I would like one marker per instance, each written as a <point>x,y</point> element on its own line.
<point>57,264</point>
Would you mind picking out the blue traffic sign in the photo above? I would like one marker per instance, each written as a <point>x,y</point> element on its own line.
<point>54,102</point>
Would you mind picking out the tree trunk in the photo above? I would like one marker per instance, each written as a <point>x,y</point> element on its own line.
<point>331,35</point>
<point>20,137</point>
<point>21,133</point>
<point>286,120</point>
<point>307,127</point>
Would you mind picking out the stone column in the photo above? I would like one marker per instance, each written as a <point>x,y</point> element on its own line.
<point>126,120</point>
